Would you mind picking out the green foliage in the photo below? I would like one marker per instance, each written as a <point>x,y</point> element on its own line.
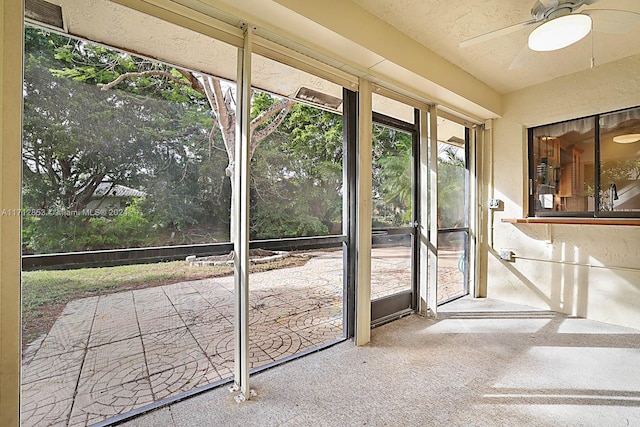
<point>396,187</point>
<point>51,234</point>
<point>150,133</point>
<point>77,232</point>
<point>452,180</point>
<point>29,226</point>
<point>268,224</point>
<point>314,134</point>
<point>297,176</point>
<point>391,177</point>
<point>85,62</point>
<point>131,226</point>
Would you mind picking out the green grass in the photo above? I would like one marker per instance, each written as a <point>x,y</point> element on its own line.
<point>60,286</point>
<point>46,292</point>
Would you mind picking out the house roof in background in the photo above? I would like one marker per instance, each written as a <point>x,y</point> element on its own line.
<point>108,189</point>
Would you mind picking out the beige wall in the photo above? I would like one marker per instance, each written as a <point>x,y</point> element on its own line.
<point>10,125</point>
<point>591,271</point>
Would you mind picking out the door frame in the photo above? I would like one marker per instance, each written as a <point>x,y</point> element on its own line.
<point>405,302</point>
<point>469,254</point>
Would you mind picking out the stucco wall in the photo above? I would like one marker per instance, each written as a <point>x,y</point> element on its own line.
<point>591,271</point>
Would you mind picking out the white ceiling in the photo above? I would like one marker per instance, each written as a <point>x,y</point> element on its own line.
<point>441,25</point>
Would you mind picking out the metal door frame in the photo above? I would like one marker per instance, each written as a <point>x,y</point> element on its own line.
<point>402,303</point>
<point>468,214</point>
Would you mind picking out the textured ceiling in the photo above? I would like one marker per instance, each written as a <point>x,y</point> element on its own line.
<point>336,33</point>
<point>441,25</point>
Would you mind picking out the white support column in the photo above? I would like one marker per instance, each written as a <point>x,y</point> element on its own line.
<point>473,212</point>
<point>484,182</point>
<point>425,211</point>
<point>432,286</point>
<point>241,212</point>
<point>363,215</point>
<point>11,46</point>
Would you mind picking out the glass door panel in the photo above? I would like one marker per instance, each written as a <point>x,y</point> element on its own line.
<point>452,264</point>
<point>453,208</point>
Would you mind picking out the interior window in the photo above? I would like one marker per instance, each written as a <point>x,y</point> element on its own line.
<point>563,155</point>
<point>586,167</point>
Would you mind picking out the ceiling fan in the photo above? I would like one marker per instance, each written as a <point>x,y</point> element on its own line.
<point>560,23</point>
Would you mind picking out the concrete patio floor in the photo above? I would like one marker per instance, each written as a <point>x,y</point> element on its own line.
<point>107,355</point>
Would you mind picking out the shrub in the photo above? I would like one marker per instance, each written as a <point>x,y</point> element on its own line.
<point>62,233</point>
<point>273,224</point>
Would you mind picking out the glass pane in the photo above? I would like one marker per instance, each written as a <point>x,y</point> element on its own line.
<point>452,175</point>
<point>390,265</point>
<point>452,265</point>
<point>563,159</point>
<point>296,192</point>
<point>620,161</point>
<point>391,178</point>
<point>296,169</point>
<point>392,183</point>
<point>452,210</point>
<point>138,164</point>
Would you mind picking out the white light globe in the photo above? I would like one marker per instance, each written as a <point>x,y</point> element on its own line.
<point>629,138</point>
<point>559,32</point>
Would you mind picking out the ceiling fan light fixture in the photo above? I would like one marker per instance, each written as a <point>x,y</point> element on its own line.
<point>629,138</point>
<point>560,32</point>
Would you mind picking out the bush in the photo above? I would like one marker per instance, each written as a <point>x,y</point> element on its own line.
<point>52,234</point>
<point>274,224</point>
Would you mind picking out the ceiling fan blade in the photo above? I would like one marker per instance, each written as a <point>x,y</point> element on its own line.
<point>497,33</point>
<point>521,58</point>
<point>613,21</point>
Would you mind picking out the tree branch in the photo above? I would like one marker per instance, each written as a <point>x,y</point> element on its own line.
<point>282,108</point>
<point>122,77</point>
<point>82,198</point>
<point>222,106</point>
<point>196,84</point>
<point>270,112</point>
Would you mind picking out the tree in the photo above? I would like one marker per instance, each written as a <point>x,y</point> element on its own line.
<point>71,143</point>
<point>297,176</point>
<point>391,177</point>
<point>220,98</point>
<point>451,186</point>
<point>132,121</point>
<point>77,137</point>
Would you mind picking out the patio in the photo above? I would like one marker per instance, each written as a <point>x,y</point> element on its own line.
<point>107,355</point>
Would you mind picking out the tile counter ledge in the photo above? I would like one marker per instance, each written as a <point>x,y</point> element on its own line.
<point>574,221</point>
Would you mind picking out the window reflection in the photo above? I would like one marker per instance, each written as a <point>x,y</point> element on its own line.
<point>620,161</point>
<point>564,167</point>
